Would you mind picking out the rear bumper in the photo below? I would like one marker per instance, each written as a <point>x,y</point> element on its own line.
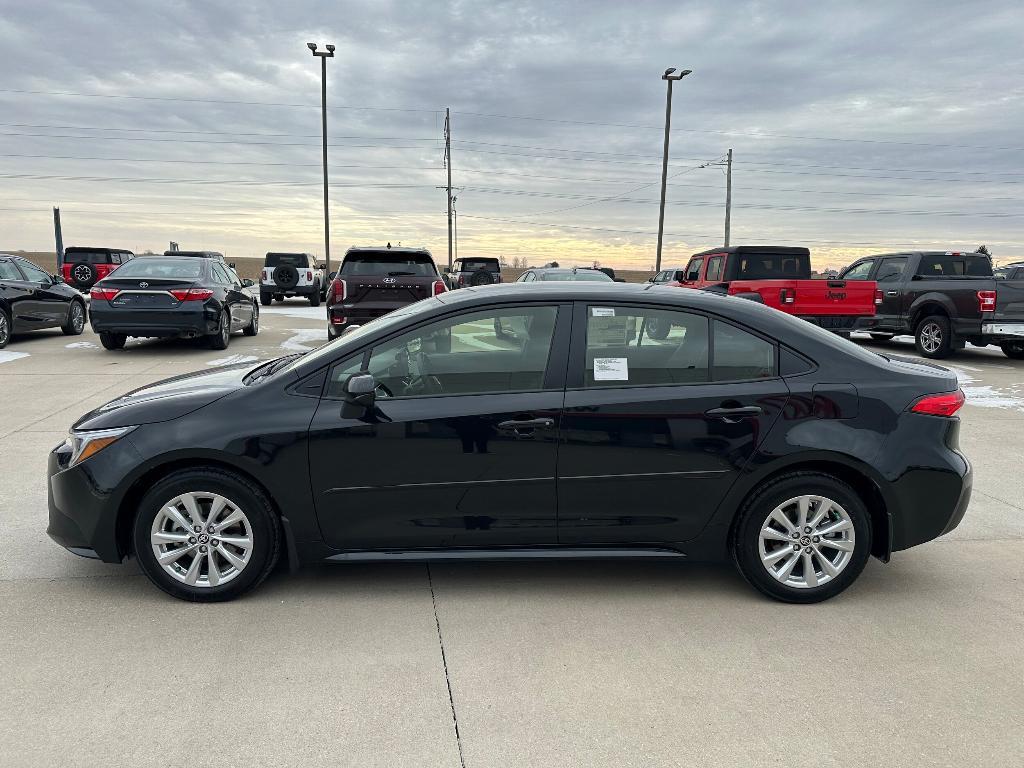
<point>298,290</point>
<point>340,315</point>
<point>1010,331</point>
<point>178,321</point>
<point>841,323</point>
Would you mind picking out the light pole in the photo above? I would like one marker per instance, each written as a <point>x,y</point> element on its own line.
<point>324,56</point>
<point>669,78</point>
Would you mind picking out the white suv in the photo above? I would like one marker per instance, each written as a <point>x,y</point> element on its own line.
<point>292,274</point>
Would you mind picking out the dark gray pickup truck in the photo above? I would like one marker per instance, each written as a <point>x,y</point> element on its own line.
<point>944,299</point>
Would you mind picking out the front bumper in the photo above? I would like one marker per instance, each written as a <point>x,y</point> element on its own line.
<point>183,320</point>
<point>83,500</point>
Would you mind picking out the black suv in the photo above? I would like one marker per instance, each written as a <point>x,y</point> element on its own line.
<point>474,270</point>
<point>82,267</point>
<point>373,281</point>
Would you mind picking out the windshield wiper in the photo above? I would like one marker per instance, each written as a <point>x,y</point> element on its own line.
<point>270,368</point>
<point>397,274</point>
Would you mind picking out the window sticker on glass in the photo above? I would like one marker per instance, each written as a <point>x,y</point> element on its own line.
<point>611,369</point>
<point>609,331</point>
<point>602,311</point>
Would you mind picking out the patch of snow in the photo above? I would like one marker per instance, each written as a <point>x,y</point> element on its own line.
<point>297,311</point>
<point>81,345</point>
<point>987,396</point>
<point>6,357</point>
<point>233,360</point>
<point>299,342</point>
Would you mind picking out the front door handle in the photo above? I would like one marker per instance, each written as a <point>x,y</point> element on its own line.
<point>730,414</point>
<point>525,426</point>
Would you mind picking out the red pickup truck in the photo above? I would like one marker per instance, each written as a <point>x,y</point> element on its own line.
<point>781,278</point>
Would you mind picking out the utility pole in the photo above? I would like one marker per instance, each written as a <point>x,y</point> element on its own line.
<point>448,164</point>
<point>324,55</point>
<point>670,78</point>
<point>455,220</point>
<point>728,197</point>
<point>59,238</point>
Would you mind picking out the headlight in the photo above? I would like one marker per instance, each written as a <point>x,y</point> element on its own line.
<point>86,444</point>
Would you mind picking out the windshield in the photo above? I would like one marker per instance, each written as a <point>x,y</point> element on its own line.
<point>338,346</point>
<point>295,259</point>
<point>771,266</point>
<point>388,263</point>
<point>587,275</point>
<point>183,269</point>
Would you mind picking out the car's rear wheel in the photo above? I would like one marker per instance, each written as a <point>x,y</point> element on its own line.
<point>5,328</point>
<point>206,535</point>
<point>254,325</point>
<point>1012,349</point>
<point>803,538</point>
<point>314,297</point>
<point>222,337</point>
<point>113,340</point>
<point>933,337</point>
<point>266,298</point>
<point>76,319</point>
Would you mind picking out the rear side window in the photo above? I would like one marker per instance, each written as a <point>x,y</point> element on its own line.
<point>739,355</point>
<point>294,259</point>
<point>388,263</point>
<point>714,270</point>
<point>770,266</point>
<point>629,346</point>
<point>693,270</point>
<point>859,271</point>
<point>86,257</point>
<point>942,265</point>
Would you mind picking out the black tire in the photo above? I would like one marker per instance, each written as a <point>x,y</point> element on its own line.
<point>286,276</point>
<point>76,319</point>
<point>266,298</point>
<point>314,297</point>
<point>933,337</point>
<point>5,328</point>
<point>1012,349</point>
<point>83,276</point>
<point>112,340</point>
<point>279,297</point>
<point>658,328</point>
<point>882,336</point>
<point>481,277</point>
<point>264,531</point>
<point>254,325</point>
<point>222,337</point>
<point>753,517</point>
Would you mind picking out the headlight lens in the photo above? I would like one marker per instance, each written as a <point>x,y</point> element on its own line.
<point>89,443</point>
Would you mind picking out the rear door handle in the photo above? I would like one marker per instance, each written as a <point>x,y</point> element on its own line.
<point>734,413</point>
<point>526,425</point>
<point>892,293</point>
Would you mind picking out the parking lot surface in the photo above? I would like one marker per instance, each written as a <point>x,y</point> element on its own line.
<point>920,663</point>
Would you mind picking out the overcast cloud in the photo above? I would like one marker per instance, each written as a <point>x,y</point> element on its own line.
<point>855,126</point>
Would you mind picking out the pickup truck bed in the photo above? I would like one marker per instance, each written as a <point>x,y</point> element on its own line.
<point>944,299</point>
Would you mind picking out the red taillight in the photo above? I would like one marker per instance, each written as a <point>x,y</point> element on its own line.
<point>462,280</point>
<point>102,294</point>
<point>987,301</point>
<point>878,298</point>
<point>192,294</point>
<point>309,277</point>
<point>264,274</point>
<point>338,291</point>
<point>439,287</point>
<point>946,404</point>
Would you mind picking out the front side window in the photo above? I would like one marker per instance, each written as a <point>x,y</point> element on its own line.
<point>859,271</point>
<point>8,271</point>
<point>693,270</point>
<point>633,346</point>
<point>33,273</point>
<point>482,352</point>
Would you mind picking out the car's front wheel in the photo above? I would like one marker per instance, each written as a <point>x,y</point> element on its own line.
<point>266,299</point>
<point>802,538</point>
<point>5,328</point>
<point>76,319</point>
<point>206,535</point>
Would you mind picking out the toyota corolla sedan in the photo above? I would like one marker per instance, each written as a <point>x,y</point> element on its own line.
<point>742,433</point>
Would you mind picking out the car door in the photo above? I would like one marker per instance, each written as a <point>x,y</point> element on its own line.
<point>45,307</point>
<point>459,448</point>
<point>655,431</point>
<point>17,293</point>
<point>890,274</point>
<point>237,302</point>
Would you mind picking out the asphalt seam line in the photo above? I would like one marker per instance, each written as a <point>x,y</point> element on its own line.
<point>444,663</point>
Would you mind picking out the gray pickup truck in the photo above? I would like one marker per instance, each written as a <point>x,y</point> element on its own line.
<point>944,299</point>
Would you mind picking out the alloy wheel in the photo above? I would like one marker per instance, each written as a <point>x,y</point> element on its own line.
<point>5,330</point>
<point>931,337</point>
<point>202,539</point>
<point>806,541</point>
<point>77,317</point>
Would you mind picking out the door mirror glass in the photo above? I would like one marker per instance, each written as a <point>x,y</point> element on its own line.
<point>247,283</point>
<point>321,266</point>
<point>57,279</point>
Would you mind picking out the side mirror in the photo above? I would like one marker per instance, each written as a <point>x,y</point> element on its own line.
<point>331,276</point>
<point>247,283</point>
<point>349,330</point>
<point>361,389</point>
<point>231,264</point>
<point>321,266</point>
<point>57,279</point>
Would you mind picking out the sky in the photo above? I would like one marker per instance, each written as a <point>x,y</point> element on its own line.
<point>856,127</point>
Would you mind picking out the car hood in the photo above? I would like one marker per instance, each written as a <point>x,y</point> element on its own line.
<point>166,400</point>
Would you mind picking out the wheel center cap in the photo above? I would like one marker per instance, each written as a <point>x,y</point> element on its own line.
<point>805,541</point>
<point>203,538</point>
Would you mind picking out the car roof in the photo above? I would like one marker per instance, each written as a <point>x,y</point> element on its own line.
<point>787,250</point>
<point>95,249</point>
<point>194,254</point>
<point>386,249</point>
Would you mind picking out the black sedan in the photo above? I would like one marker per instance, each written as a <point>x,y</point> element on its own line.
<point>32,299</point>
<point>744,433</point>
<point>179,296</point>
